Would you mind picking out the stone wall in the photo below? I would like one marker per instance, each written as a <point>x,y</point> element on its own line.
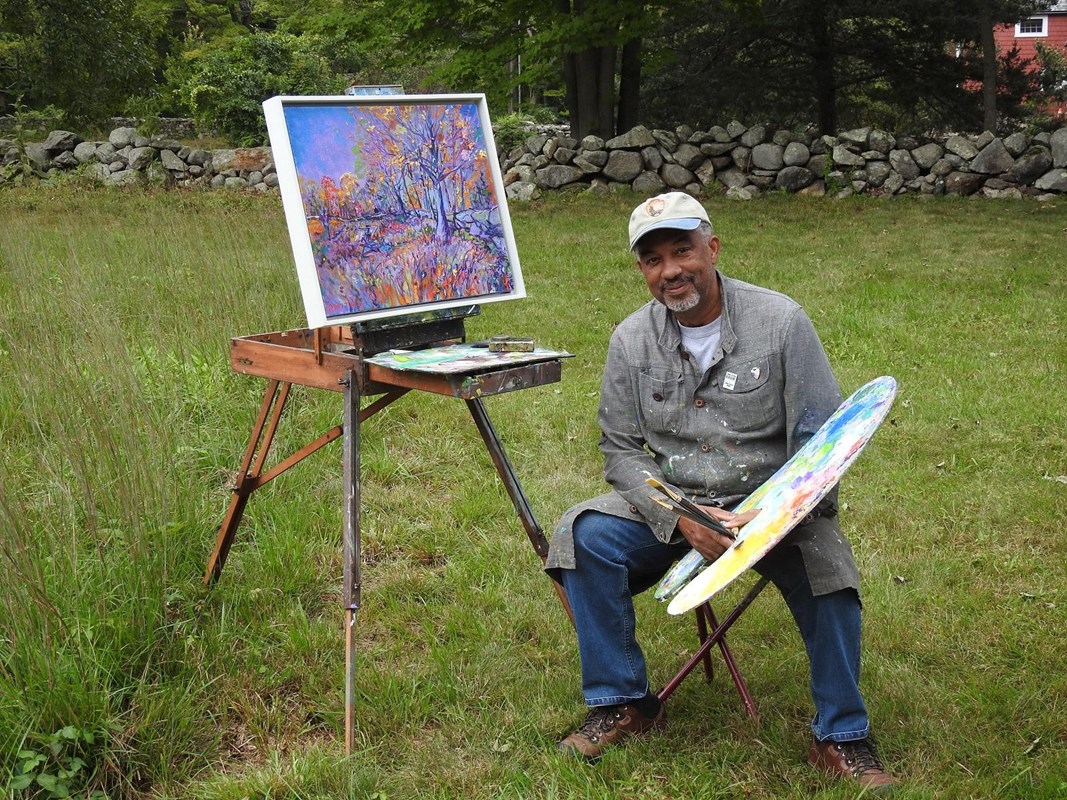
<point>746,161</point>
<point>128,159</point>
<point>739,161</point>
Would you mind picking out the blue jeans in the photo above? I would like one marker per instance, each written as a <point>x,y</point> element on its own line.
<point>618,558</point>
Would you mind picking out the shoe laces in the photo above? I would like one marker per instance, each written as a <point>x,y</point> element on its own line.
<point>598,721</point>
<point>860,755</point>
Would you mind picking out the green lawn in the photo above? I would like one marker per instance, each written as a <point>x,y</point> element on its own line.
<point>122,424</point>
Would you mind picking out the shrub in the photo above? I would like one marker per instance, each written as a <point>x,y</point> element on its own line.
<point>224,86</point>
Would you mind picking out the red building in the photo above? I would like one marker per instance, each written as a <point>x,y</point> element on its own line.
<point>1048,27</point>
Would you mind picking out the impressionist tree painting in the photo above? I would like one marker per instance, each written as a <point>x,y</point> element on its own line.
<point>400,205</point>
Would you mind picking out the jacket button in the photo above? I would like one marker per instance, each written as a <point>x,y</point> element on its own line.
<point>705,448</point>
<point>657,397</point>
<point>699,402</point>
<point>633,509</point>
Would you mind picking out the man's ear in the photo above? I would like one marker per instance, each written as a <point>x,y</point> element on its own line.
<point>713,246</point>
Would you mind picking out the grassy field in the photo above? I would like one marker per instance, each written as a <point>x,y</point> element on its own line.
<point>122,423</point>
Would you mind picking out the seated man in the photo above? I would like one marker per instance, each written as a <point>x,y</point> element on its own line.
<point>710,387</point>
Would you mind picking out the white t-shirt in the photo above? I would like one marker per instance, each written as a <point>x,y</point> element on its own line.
<point>702,342</point>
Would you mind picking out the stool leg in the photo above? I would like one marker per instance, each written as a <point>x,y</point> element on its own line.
<point>702,612</point>
<point>731,665</point>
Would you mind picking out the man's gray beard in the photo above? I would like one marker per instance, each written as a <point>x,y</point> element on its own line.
<point>683,304</point>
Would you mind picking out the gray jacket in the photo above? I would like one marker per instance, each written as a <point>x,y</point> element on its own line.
<point>716,436</point>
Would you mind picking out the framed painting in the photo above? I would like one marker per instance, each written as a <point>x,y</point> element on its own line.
<point>394,204</point>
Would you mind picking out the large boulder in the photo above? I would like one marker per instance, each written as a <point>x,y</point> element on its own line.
<point>85,151</point>
<point>732,178</point>
<point>927,155</point>
<point>668,140</point>
<point>843,157</point>
<point>963,183</point>
<point>768,156</point>
<point>652,158</point>
<point>141,157</point>
<point>689,156</point>
<point>1058,144</point>
<point>598,157</point>
<point>676,176</point>
<point>242,159</point>
<point>61,142</point>
<point>38,156</point>
<point>902,162</point>
<point>557,175</point>
<point>633,139</point>
<point>170,161</point>
<point>793,179</point>
<point>961,146</point>
<point>1052,181</point>
<point>994,159</point>
<point>522,191</point>
<point>877,172</point>
<point>1031,165</point>
<point>648,184</point>
<point>624,165</point>
<point>796,154</point>
<point>881,141</point>
<point>755,135</point>
<point>857,136</point>
<point>1017,143</point>
<point>122,137</point>
<point>535,144</point>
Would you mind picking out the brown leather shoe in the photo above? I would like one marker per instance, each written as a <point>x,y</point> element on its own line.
<point>856,760</point>
<point>606,725</point>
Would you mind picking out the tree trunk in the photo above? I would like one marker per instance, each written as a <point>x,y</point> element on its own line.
<point>606,91</point>
<point>823,67</point>
<point>629,86</point>
<point>570,87</point>
<point>588,118</point>
<point>989,66</point>
<point>570,73</point>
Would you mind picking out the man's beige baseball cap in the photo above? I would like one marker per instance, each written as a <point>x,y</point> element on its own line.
<point>671,210</point>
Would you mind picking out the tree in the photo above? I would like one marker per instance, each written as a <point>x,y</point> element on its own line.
<point>601,42</point>
<point>831,61</point>
<point>975,22</point>
<point>83,57</point>
<point>590,48</point>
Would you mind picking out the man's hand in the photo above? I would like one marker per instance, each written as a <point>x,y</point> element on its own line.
<point>707,542</point>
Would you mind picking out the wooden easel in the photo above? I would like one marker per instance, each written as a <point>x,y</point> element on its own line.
<point>333,358</point>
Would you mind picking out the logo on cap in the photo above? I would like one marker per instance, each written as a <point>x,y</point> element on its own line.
<point>654,207</point>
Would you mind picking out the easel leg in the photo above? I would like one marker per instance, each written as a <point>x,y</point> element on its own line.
<point>514,489</point>
<point>351,537</point>
<point>277,393</point>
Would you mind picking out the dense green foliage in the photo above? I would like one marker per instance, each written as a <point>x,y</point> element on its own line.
<point>225,87</point>
<point>603,64</point>
<point>122,423</point>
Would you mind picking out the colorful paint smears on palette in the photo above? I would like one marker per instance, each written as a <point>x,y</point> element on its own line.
<point>393,205</point>
<point>786,497</point>
<point>455,359</point>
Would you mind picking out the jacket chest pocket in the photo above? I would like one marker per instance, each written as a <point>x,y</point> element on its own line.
<point>750,397</point>
<point>660,396</point>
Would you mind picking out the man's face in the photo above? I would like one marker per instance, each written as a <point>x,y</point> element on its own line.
<point>679,268</point>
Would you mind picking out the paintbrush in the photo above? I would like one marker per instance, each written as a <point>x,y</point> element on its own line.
<point>687,508</point>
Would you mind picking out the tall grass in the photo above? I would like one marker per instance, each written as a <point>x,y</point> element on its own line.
<point>122,423</point>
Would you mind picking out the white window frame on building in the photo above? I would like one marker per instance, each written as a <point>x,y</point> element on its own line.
<point>1029,23</point>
